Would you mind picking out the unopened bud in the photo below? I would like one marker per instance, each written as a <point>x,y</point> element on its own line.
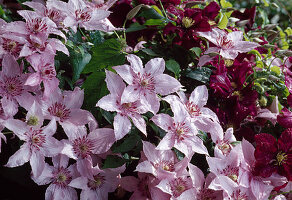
<point>242,23</point>
<point>263,101</point>
<point>257,40</point>
<point>270,26</point>
<point>134,12</point>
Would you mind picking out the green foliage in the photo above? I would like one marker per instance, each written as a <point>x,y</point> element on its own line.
<point>106,54</point>
<point>112,161</point>
<point>202,75</point>
<point>173,66</point>
<point>129,142</point>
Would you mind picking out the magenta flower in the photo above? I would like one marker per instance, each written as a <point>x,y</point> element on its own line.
<point>38,144</point>
<point>101,183</point>
<point>161,163</point>
<point>112,102</point>
<point>60,175</point>
<point>145,83</point>
<point>12,89</point>
<point>228,45</point>
<point>44,72</point>
<point>181,133</point>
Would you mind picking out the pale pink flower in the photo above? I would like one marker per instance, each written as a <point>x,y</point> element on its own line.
<point>60,175</point>
<point>176,187</point>
<point>143,187</point>
<point>78,13</point>
<point>228,45</point>
<point>44,72</point>
<point>100,184</point>
<point>81,146</point>
<point>146,83</point>
<point>12,88</point>
<point>161,163</point>
<point>38,144</point>
<point>125,111</point>
<point>224,146</point>
<point>270,113</point>
<point>181,133</point>
<point>46,11</point>
<point>65,106</point>
<point>101,4</point>
<point>204,118</point>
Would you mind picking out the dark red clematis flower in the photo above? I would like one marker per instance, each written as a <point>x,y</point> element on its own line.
<point>211,11</point>
<point>248,14</point>
<point>285,118</point>
<point>274,156</point>
<point>119,12</point>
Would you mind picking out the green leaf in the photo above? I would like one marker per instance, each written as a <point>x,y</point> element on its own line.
<point>135,27</point>
<point>107,54</point>
<point>78,62</point>
<point>150,13</point>
<point>128,144</point>
<point>225,4</point>
<point>112,161</point>
<point>223,21</point>
<point>149,52</point>
<point>285,44</point>
<point>173,66</point>
<point>94,88</point>
<point>108,116</point>
<point>96,37</point>
<point>202,75</point>
<point>288,31</point>
<point>155,22</point>
<point>276,69</point>
<point>255,52</point>
<point>197,51</point>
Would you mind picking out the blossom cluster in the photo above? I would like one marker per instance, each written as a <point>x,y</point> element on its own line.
<point>189,106</point>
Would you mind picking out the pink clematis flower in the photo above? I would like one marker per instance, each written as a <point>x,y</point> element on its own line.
<point>44,72</point>
<point>228,45</point>
<point>143,187</point>
<point>204,118</point>
<point>225,145</point>
<point>12,89</point>
<point>38,144</point>
<point>112,102</point>
<point>59,175</point>
<point>101,183</point>
<point>145,83</point>
<point>81,14</point>
<point>181,133</point>
<point>161,163</point>
<point>64,107</point>
<point>81,146</point>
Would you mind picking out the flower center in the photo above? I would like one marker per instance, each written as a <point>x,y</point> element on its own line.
<point>165,165</point>
<point>145,82</point>
<point>11,46</point>
<point>82,15</point>
<point>11,86</point>
<point>82,147</point>
<point>59,110</point>
<point>231,172</point>
<point>36,25</point>
<point>181,130</point>
<point>187,22</point>
<point>193,109</point>
<point>97,182</point>
<point>224,147</point>
<point>178,186</point>
<point>36,138</point>
<point>61,177</point>
<point>224,43</point>
<point>129,107</point>
<point>238,195</point>
<point>54,15</point>
<point>48,72</point>
<point>281,158</point>
<point>32,121</point>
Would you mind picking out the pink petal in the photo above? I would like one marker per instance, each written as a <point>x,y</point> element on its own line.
<point>162,120</point>
<point>199,96</point>
<point>130,94</point>
<point>60,160</point>
<point>136,63</point>
<point>108,103</point>
<point>51,128</point>
<point>20,157</point>
<point>25,100</point>
<point>73,131</point>
<point>139,122</point>
<point>122,126</point>
<point>10,67</point>
<point>204,59</point>
<point>50,86</point>
<point>18,127</point>
<point>37,163</point>
<point>114,83</point>
<point>244,46</point>
<point>155,66</point>
<point>235,36</point>
<point>165,84</point>
<point>197,176</point>
<point>166,143</point>
<point>10,107</point>
<point>151,102</point>
<point>79,117</point>
<point>73,99</point>
<point>229,53</point>
<point>33,80</point>
<point>80,183</point>
<point>129,183</point>
<point>125,72</point>
<point>103,139</point>
<point>146,167</point>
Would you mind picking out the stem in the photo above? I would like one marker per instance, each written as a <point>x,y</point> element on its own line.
<point>163,10</point>
<point>117,35</point>
<point>83,34</point>
<point>8,132</point>
<point>284,7</point>
<point>124,26</point>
